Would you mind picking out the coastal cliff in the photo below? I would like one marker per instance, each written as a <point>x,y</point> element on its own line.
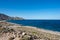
<point>6,17</point>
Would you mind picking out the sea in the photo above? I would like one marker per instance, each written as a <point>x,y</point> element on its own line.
<point>53,25</point>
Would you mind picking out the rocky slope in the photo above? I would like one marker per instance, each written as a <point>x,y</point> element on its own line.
<point>6,17</point>
<point>11,31</point>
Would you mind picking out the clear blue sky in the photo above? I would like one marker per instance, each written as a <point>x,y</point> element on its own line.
<point>31,9</point>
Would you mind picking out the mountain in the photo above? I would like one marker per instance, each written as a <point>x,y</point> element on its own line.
<point>6,17</point>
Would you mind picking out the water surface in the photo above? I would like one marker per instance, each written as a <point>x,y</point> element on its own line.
<point>45,24</point>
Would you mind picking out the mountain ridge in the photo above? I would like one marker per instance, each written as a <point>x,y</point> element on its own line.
<point>6,17</point>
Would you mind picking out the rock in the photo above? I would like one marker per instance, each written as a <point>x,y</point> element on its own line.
<point>26,37</point>
<point>11,38</point>
<point>23,33</point>
<point>42,39</point>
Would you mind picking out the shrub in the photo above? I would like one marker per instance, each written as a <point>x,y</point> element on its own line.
<point>11,38</point>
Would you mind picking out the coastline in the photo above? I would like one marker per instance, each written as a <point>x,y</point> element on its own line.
<point>42,33</point>
<point>44,30</point>
<point>39,29</point>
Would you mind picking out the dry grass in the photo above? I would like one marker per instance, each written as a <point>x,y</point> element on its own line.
<point>41,34</point>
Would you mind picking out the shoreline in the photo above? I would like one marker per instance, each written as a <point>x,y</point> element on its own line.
<point>16,29</point>
<point>44,30</point>
<point>39,29</point>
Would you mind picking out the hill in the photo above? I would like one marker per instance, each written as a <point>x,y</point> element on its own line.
<point>6,17</point>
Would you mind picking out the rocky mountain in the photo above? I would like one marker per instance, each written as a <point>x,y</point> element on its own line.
<point>6,17</point>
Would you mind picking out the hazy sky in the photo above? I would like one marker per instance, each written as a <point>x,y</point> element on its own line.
<point>31,9</point>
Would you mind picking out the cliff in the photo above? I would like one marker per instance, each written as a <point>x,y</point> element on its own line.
<point>6,17</point>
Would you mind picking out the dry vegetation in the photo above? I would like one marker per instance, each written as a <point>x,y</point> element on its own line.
<point>9,32</point>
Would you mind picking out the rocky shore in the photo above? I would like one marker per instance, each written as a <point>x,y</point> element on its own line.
<point>12,31</point>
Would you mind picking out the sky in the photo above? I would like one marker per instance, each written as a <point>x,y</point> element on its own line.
<point>31,9</point>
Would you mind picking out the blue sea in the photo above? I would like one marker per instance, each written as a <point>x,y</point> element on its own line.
<point>53,25</point>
